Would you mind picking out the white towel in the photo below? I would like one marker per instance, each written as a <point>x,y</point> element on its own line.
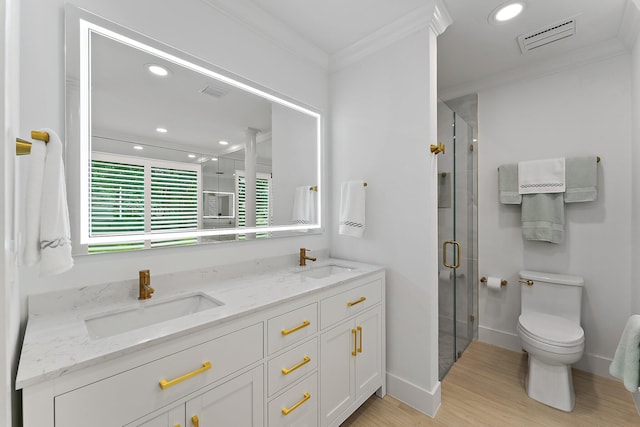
<point>541,176</point>
<point>352,204</point>
<point>304,206</point>
<point>31,253</point>
<point>54,244</point>
<point>626,361</point>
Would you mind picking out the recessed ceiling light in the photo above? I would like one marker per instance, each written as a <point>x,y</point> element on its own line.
<point>223,143</point>
<point>506,12</point>
<point>191,156</point>
<point>157,70</point>
<point>214,159</point>
<point>161,130</point>
<point>138,147</point>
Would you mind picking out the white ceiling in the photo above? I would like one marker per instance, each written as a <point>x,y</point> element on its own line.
<point>471,48</point>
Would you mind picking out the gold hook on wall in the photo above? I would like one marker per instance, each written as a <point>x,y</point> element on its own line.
<point>437,149</point>
<point>24,147</point>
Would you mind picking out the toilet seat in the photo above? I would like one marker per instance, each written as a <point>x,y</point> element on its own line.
<point>551,333</point>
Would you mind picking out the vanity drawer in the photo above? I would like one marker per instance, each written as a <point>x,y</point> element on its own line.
<point>128,395</point>
<point>292,365</point>
<point>301,404</point>
<point>292,327</point>
<point>348,303</point>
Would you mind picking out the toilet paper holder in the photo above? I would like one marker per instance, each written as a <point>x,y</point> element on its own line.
<point>503,282</point>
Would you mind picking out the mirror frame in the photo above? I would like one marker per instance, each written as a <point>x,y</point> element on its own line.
<point>80,25</point>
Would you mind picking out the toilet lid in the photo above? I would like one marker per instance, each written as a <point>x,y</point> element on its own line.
<point>553,330</point>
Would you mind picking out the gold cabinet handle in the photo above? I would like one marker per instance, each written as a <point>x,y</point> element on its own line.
<point>359,328</point>
<point>352,303</point>
<point>286,371</point>
<point>177,425</point>
<point>195,421</point>
<point>444,254</point>
<point>355,342</point>
<point>297,328</point>
<point>164,384</point>
<point>526,282</point>
<point>287,411</point>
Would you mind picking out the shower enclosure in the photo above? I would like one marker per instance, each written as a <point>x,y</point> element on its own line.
<point>457,229</point>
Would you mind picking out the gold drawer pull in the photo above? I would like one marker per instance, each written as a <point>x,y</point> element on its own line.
<point>297,328</point>
<point>526,282</point>
<point>360,330</point>
<point>164,384</point>
<point>287,411</point>
<point>286,371</point>
<point>195,421</point>
<point>352,303</point>
<point>355,342</point>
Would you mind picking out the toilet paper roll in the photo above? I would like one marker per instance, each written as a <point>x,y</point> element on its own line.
<point>494,283</point>
<point>445,274</point>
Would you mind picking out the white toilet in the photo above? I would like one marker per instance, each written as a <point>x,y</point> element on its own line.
<point>549,330</point>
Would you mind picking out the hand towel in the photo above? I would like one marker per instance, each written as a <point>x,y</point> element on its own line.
<point>55,234</point>
<point>626,361</point>
<point>304,206</point>
<point>581,179</point>
<point>543,217</point>
<point>541,176</point>
<point>508,184</point>
<point>352,205</point>
<point>31,252</point>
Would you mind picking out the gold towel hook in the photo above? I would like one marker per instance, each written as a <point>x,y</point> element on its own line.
<point>437,149</point>
<point>24,147</point>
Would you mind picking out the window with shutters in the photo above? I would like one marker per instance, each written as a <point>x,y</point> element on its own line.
<point>132,195</point>
<point>263,202</point>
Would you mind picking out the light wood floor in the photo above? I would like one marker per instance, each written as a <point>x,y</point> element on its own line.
<point>486,388</point>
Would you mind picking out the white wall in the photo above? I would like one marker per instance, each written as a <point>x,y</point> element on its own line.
<point>193,26</point>
<point>581,111</point>
<point>9,286</point>
<point>635,171</point>
<point>383,120</point>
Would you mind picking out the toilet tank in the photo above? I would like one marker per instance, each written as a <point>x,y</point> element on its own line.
<point>555,294</point>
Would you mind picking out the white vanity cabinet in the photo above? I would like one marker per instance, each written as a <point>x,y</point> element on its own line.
<point>310,360</point>
<point>352,353</point>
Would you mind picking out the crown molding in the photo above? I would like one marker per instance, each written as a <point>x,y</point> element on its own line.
<point>580,57</point>
<point>434,16</point>
<point>630,27</point>
<point>270,28</point>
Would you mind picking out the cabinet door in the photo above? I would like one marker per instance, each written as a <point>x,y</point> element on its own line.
<point>172,418</point>
<point>337,375</point>
<point>238,402</point>
<point>369,352</point>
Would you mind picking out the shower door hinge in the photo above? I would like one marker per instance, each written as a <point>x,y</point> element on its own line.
<point>472,318</point>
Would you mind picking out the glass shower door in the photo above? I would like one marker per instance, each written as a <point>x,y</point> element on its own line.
<point>456,235</point>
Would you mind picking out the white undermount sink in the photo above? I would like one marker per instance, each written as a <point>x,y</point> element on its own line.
<point>148,314</point>
<point>325,271</point>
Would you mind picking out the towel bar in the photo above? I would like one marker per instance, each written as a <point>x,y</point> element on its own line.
<point>24,147</point>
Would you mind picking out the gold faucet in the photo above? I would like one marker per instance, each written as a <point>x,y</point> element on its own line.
<point>144,287</point>
<point>304,257</point>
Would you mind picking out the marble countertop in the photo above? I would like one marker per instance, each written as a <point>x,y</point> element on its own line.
<point>57,340</point>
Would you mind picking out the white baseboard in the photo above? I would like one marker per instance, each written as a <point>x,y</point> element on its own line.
<point>423,400</point>
<point>593,363</point>
<point>499,338</point>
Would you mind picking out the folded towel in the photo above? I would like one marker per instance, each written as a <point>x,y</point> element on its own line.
<point>304,205</point>
<point>626,361</point>
<point>508,184</point>
<point>543,217</point>
<point>31,253</point>
<point>352,204</point>
<point>55,234</point>
<point>581,179</point>
<point>541,176</point>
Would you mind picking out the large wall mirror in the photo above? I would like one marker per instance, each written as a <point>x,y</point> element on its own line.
<point>172,150</point>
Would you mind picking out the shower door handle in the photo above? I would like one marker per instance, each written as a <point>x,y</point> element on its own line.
<point>444,254</point>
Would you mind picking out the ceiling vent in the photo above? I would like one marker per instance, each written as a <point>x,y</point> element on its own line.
<point>547,35</point>
<point>215,91</point>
